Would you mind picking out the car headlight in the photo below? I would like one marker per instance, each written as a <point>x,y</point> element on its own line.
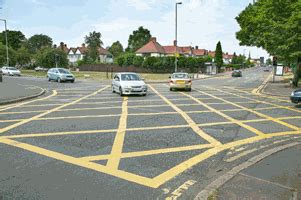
<point>293,93</point>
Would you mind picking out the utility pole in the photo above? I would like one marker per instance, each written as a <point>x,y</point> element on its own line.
<point>6,42</point>
<point>176,37</point>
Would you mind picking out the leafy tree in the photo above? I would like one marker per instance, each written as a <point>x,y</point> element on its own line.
<point>23,57</point>
<point>138,61</point>
<point>94,43</point>
<point>15,39</point>
<point>138,38</point>
<point>219,55</point>
<point>12,56</point>
<point>274,25</point>
<point>48,57</point>
<point>38,42</point>
<point>269,61</point>
<point>119,60</point>
<point>128,59</point>
<point>149,62</point>
<point>116,49</point>
<point>234,59</point>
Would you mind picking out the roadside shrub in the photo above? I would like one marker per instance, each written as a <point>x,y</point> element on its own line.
<point>138,61</point>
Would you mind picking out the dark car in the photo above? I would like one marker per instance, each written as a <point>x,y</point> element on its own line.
<point>236,73</point>
<point>296,96</point>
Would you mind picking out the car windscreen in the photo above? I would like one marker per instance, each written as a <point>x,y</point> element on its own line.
<point>63,71</point>
<point>11,68</point>
<point>180,76</point>
<point>130,77</point>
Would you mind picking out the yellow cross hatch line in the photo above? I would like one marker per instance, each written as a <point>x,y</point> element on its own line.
<point>191,123</point>
<point>258,113</point>
<point>116,152</point>
<point>47,112</point>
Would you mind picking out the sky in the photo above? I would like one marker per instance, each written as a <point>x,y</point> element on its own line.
<point>200,22</point>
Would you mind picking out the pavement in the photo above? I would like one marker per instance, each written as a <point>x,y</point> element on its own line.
<point>11,92</point>
<point>81,141</point>
<point>278,88</point>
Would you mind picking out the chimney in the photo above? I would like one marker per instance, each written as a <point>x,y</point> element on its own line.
<point>196,47</point>
<point>175,42</point>
<point>66,45</point>
<point>153,39</point>
<point>83,45</point>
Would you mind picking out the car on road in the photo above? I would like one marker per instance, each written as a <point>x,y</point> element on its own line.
<point>128,83</point>
<point>296,96</point>
<point>236,73</point>
<point>180,81</point>
<point>40,69</point>
<point>60,75</point>
<point>11,71</point>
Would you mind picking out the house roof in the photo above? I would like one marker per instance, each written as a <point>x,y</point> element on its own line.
<point>172,50</point>
<point>199,52</point>
<point>151,47</point>
<point>211,54</point>
<point>83,49</point>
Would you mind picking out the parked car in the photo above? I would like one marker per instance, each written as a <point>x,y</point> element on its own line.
<point>40,69</point>
<point>128,83</point>
<point>11,71</point>
<point>236,73</point>
<point>296,96</point>
<point>180,81</point>
<point>60,75</point>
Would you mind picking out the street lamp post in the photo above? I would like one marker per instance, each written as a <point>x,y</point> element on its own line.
<point>176,37</point>
<point>6,42</point>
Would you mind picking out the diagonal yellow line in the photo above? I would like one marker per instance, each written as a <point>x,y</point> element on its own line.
<point>191,123</point>
<point>257,132</point>
<point>82,163</point>
<point>257,113</point>
<point>47,112</point>
<point>54,93</point>
<point>116,151</point>
<point>150,152</point>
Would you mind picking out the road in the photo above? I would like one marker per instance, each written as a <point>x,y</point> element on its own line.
<point>81,141</point>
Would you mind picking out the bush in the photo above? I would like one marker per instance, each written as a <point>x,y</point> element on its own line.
<point>119,60</point>
<point>138,61</point>
<point>128,59</point>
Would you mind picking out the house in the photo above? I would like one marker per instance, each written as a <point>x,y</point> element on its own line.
<point>227,58</point>
<point>74,54</point>
<point>153,48</point>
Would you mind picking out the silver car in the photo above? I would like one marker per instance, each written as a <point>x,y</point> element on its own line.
<point>180,81</point>
<point>60,75</point>
<point>128,83</point>
<point>11,71</point>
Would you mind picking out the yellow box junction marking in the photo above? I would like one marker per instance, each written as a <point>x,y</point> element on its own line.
<point>255,112</point>
<point>116,152</point>
<point>257,132</point>
<point>191,123</point>
<point>47,112</point>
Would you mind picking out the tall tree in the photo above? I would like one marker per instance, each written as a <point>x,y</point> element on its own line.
<point>116,49</point>
<point>219,55</point>
<point>37,42</point>
<point>94,43</point>
<point>138,38</point>
<point>274,25</point>
<point>15,38</point>
<point>234,59</point>
<point>48,57</point>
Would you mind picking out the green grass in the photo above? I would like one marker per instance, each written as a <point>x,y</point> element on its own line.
<point>98,76</point>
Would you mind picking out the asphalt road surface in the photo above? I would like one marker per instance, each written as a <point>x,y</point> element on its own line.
<point>81,141</point>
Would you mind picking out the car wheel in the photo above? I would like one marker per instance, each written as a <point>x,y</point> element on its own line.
<point>113,91</point>
<point>59,80</point>
<point>120,91</point>
<point>189,89</point>
<point>49,79</point>
<point>144,95</point>
<point>72,81</point>
<point>170,89</point>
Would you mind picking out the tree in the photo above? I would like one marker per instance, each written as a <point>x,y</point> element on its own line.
<point>269,61</point>
<point>23,57</point>
<point>94,43</point>
<point>38,42</point>
<point>138,38</point>
<point>138,61</point>
<point>15,39</point>
<point>12,55</point>
<point>116,49</point>
<point>219,55</point>
<point>48,57</point>
<point>234,59</point>
<point>274,25</point>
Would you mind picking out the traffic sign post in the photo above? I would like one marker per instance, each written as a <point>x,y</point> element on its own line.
<point>274,67</point>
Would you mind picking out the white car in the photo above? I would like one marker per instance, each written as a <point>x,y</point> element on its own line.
<point>128,83</point>
<point>11,71</point>
<point>180,81</point>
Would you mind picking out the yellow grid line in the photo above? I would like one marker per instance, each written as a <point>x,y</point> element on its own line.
<point>191,123</point>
